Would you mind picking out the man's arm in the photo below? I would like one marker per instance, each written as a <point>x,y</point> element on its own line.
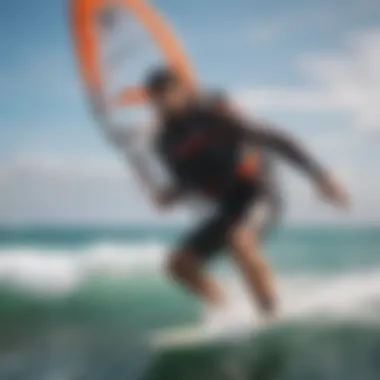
<point>264,134</point>
<point>171,192</point>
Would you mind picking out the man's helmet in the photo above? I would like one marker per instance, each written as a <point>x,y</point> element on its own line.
<point>159,79</point>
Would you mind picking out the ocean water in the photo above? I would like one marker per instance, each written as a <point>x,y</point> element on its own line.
<point>84,303</point>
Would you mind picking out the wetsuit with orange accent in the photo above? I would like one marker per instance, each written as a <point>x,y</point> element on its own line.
<point>211,151</point>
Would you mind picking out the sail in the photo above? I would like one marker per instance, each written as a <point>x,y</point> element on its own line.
<point>116,42</point>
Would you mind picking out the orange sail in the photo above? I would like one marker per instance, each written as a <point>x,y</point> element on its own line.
<point>90,17</point>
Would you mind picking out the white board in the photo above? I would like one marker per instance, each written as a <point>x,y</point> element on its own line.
<point>199,335</point>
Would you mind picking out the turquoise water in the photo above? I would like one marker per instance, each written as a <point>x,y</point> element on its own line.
<point>82,303</point>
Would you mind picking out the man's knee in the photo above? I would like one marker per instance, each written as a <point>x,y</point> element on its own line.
<point>180,263</point>
<point>241,238</point>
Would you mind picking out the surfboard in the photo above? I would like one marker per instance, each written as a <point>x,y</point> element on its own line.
<point>191,336</point>
<point>196,335</point>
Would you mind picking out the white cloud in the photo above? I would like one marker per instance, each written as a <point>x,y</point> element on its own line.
<point>59,168</point>
<point>45,189</point>
<point>48,189</point>
<point>281,24</point>
<point>347,82</point>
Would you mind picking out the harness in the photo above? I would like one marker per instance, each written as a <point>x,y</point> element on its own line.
<point>202,155</point>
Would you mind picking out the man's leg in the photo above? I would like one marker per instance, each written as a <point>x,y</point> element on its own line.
<point>245,242</point>
<point>245,246</point>
<point>186,265</point>
<point>187,269</point>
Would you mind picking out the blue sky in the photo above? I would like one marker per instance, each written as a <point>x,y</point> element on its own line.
<point>313,67</point>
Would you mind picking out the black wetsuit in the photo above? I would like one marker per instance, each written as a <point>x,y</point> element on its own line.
<point>213,152</point>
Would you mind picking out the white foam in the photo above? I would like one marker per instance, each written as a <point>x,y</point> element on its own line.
<point>340,296</point>
<point>345,296</point>
<point>60,272</point>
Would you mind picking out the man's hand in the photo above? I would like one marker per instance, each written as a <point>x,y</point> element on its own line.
<point>334,192</point>
<point>163,199</point>
<point>168,197</point>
